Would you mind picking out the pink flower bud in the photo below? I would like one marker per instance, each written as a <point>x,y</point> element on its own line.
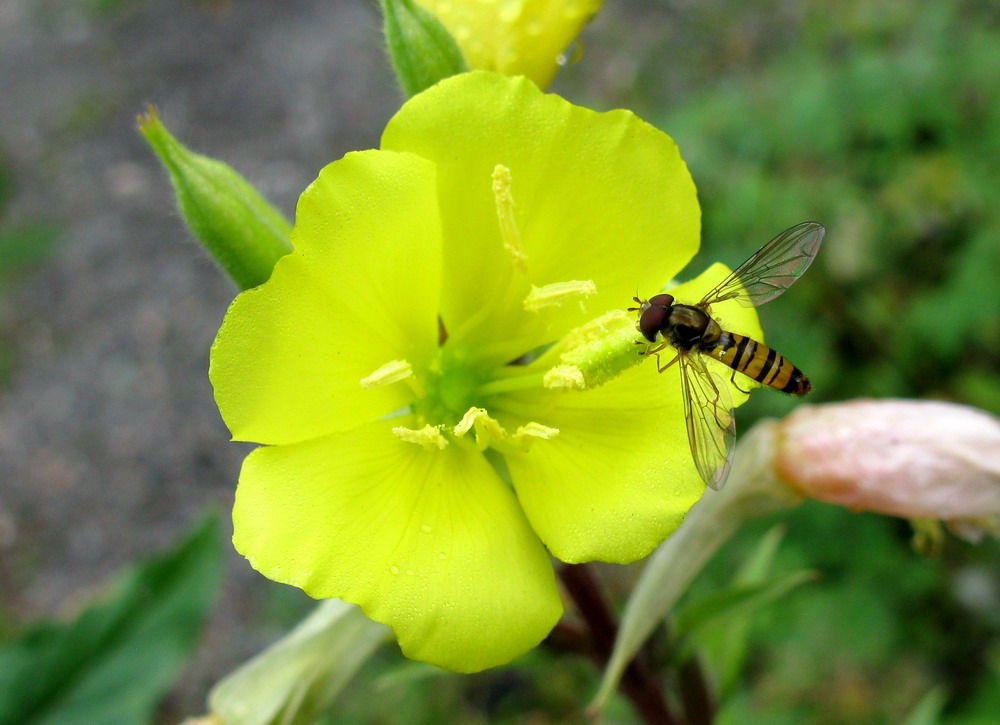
<point>911,458</point>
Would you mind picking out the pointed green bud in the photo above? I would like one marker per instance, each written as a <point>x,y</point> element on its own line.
<point>421,50</point>
<point>238,227</point>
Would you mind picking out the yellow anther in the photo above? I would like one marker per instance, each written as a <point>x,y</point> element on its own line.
<point>559,292</point>
<point>487,428</point>
<point>391,372</point>
<point>509,232</point>
<point>531,432</point>
<point>429,436</point>
<point>564,377</point>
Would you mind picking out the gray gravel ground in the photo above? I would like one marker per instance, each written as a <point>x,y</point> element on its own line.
<point>110,443</point>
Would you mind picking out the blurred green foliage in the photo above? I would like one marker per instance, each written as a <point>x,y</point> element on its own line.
<point>882,121</point>
<point>114,663</point>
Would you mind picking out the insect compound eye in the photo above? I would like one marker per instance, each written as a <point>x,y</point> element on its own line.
<point>651,320</point>
<point>661,300</point>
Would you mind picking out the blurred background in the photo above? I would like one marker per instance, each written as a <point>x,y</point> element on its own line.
<point>880,120</point>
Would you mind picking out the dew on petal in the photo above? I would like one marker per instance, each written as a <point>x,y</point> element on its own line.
<point>393,569</point>
<point>510,10</point>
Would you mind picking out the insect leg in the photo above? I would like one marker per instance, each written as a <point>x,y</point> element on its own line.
<point>649,349</point>
<point>659,367</point>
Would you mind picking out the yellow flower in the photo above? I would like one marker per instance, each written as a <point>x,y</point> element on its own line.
<point>515,37</point>
<point>410,464</point>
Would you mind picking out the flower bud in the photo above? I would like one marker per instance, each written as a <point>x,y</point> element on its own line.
<point>514,37</point>
<point>911,458</point>
<point>238,227</point>
<point>293,680</point>
<point>420,48</point>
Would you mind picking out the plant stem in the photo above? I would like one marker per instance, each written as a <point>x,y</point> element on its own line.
<point>695,694</point>
<point>637,683</point>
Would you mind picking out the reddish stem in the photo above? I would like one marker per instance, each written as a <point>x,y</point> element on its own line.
<point>637,683</point>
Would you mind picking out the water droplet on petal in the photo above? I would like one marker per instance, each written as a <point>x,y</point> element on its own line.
<point>425,528</point>
<point>394,569</point>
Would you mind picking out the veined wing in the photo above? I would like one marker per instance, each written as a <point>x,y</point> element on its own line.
<point>772,269</point>
<point>711,423</point>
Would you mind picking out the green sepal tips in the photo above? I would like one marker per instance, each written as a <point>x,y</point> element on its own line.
<point>242,231</point>
<point>421,50</point>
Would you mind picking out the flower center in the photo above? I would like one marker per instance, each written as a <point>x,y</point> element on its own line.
<point>452,387</point>
<point>453,392</point>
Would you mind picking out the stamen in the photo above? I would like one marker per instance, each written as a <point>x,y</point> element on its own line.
<point>564,377</point>
<point>531,432</point>
<point>559,292</point>
<point>429,436</point>
<point>509,232</point>
<point>391,372</point>
<point>487,428</point>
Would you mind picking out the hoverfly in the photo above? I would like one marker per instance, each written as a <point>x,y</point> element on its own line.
<point>692,332</point>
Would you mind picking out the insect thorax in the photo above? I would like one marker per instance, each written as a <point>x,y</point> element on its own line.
<point>689,327</point>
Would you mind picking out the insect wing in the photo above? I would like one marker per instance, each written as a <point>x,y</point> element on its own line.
<point>711,423</point>
<point>772,269</point>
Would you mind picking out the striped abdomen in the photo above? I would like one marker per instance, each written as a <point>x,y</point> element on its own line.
<point>756,360</point>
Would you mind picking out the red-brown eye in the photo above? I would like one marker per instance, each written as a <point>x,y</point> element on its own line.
<point>652,319</point>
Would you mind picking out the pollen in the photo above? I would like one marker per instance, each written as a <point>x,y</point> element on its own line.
<point>564,377</point>
<point>557,293</point>
<point>391,372</point>
<point>531,432</point>
<point>509,232</point>
<point>486,427</point>
<point>429,436</point>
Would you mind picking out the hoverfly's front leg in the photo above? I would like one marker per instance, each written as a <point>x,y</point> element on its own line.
<point>655,352</point>
<point>659,367</point>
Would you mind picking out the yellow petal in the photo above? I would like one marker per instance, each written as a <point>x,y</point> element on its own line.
<point>431,543</point>
<point>514,37</point>
<point>602,197</point>
<point>359,291</point>
<point>620,477</point>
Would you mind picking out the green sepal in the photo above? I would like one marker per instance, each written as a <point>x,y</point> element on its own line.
<point>295,680</point>
<point>242,231</point>
<point>421,50</point>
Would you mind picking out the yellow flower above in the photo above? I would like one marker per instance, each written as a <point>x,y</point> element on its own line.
<point>410,463</point>
<point>514,37</point>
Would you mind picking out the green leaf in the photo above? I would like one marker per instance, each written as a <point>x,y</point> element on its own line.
<point>238,227</point>
<point>295,679</point>
<point>421,50</point>
<point>739,600</point>
<point>723,647</point>
<point>928,709</point>
<point>114,663</point>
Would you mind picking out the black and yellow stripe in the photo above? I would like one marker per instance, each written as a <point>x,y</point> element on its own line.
<point>758,361</point>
